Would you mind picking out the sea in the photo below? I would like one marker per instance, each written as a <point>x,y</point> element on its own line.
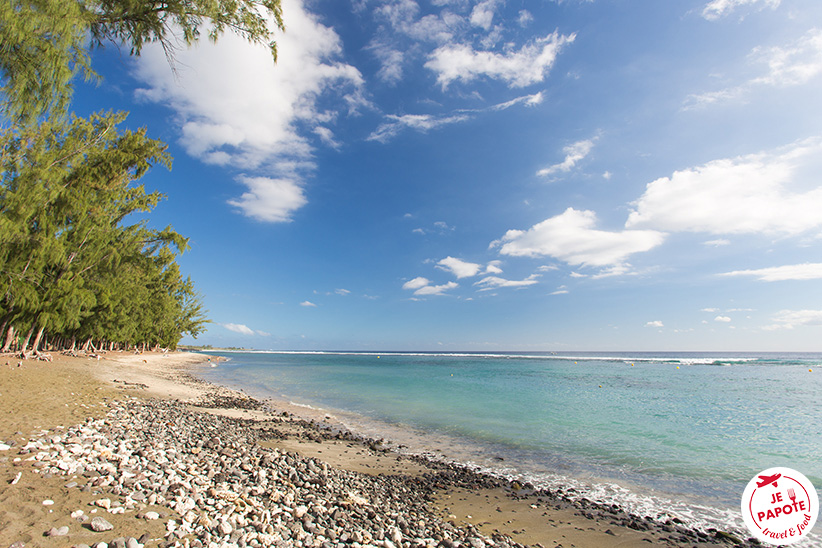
<point>673,434</point>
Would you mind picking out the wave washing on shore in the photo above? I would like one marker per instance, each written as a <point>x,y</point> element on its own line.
<point>656,433</point>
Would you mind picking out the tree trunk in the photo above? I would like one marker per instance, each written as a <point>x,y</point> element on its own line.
<point>9,339</point>
<point>36,343</point>
<point>25,344</point>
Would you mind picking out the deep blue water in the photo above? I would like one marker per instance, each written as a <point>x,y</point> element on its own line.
<point>678,433</point>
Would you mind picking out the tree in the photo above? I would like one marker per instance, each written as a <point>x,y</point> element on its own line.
<point>65,193</point>
<point>44,44</point>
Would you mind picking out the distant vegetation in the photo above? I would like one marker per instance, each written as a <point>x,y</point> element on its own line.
<point>76,269</point>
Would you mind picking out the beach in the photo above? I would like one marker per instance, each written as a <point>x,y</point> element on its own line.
<point>138,446</point>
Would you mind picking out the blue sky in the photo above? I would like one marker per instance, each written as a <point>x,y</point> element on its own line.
<point>496,174</point>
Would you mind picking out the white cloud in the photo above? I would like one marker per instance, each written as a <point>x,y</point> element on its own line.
<point>747,194</point>
<point>525,18</point>
<point>789,319</point>
<point>238,328</point>
<point>483,13</point>
<point>572,238</point>
<point>422,286</point>
<point>721,242</point>
<point>419,122</point>
<point>710,310</point>
<point>560,291</point>
<point>342,292</point>
<point>806,271</point>
<point>520,68</point>
<point>493,282</point>
<point>308,304</point>
<point>458,267</point>
<point>573,154</point>
<point>719,8</point>
<point>723,319</point>
<point>416,283</point>
<point>269,200</point>
<point>235,107</point>
<point>424,123</point>
<point>655,323</point>
<point>793,65</point>
<point>493,268</point>
<point>436,289</point>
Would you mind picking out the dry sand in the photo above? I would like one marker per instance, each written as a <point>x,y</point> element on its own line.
<point>48,396</point>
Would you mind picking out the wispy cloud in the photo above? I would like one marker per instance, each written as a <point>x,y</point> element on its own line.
<point>308,304</point>
<point>806,271</point>
<point>717,9</point>
<point>790,319</point>
<point>654,323</point>
<point>526,66</point>
<point>758,186</point>
<point>424,123</point>
<point>494,282</point>
<point>243,329</point>
<point>795,64</point>
<point>573,154</point>
<point>571,237</point>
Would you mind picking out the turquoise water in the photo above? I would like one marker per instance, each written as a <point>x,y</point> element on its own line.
<point>658,433</point>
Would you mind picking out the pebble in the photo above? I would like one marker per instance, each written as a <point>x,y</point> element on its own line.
<point>58,531</point>
<point>218,487</point>
<point>48,502</point>
<point>99,524</point>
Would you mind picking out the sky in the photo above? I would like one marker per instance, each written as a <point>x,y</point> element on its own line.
<point>543,175</point>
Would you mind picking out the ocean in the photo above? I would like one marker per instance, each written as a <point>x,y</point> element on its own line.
<point>660,434</point>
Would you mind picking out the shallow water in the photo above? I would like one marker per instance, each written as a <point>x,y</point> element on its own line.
<point>657,433</point>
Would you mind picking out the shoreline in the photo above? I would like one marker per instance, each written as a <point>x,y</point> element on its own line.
<point>474,507</point>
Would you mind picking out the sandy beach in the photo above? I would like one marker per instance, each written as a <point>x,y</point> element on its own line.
<point>166,459</point>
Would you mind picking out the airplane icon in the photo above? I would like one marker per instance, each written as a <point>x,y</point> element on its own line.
<point>767,480</point>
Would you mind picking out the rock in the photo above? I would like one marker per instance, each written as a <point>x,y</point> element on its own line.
<point>99,524</point>
<point>151,515</point>
<point>58,531</point>
<point>224,528</point>
<point>132,542</point>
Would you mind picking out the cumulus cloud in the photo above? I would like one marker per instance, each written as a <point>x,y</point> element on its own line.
<point>234,107</point>
<point>722,319</point>
<point>422,286</point>
<point>655,323</point>
<point>529,65</point>
<point>416,283</point>
<point>573,154</point>
<point>572,237</point>
<point>806,271</point>
<point>792,65</point>
<point>269,200</point>
<point>493,282</point>
<point>789,319</point>
<point>717,9</point>
<point>458,267</point>
<point>699,199</point>
<point>483,13</point>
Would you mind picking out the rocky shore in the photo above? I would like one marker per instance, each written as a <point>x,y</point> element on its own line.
<point>149,472</point>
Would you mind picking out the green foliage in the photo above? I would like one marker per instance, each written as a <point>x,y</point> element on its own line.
<point>69,263</point>
<point>44,44</point>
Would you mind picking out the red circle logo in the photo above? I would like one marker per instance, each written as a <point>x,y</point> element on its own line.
<point>780,506</point>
